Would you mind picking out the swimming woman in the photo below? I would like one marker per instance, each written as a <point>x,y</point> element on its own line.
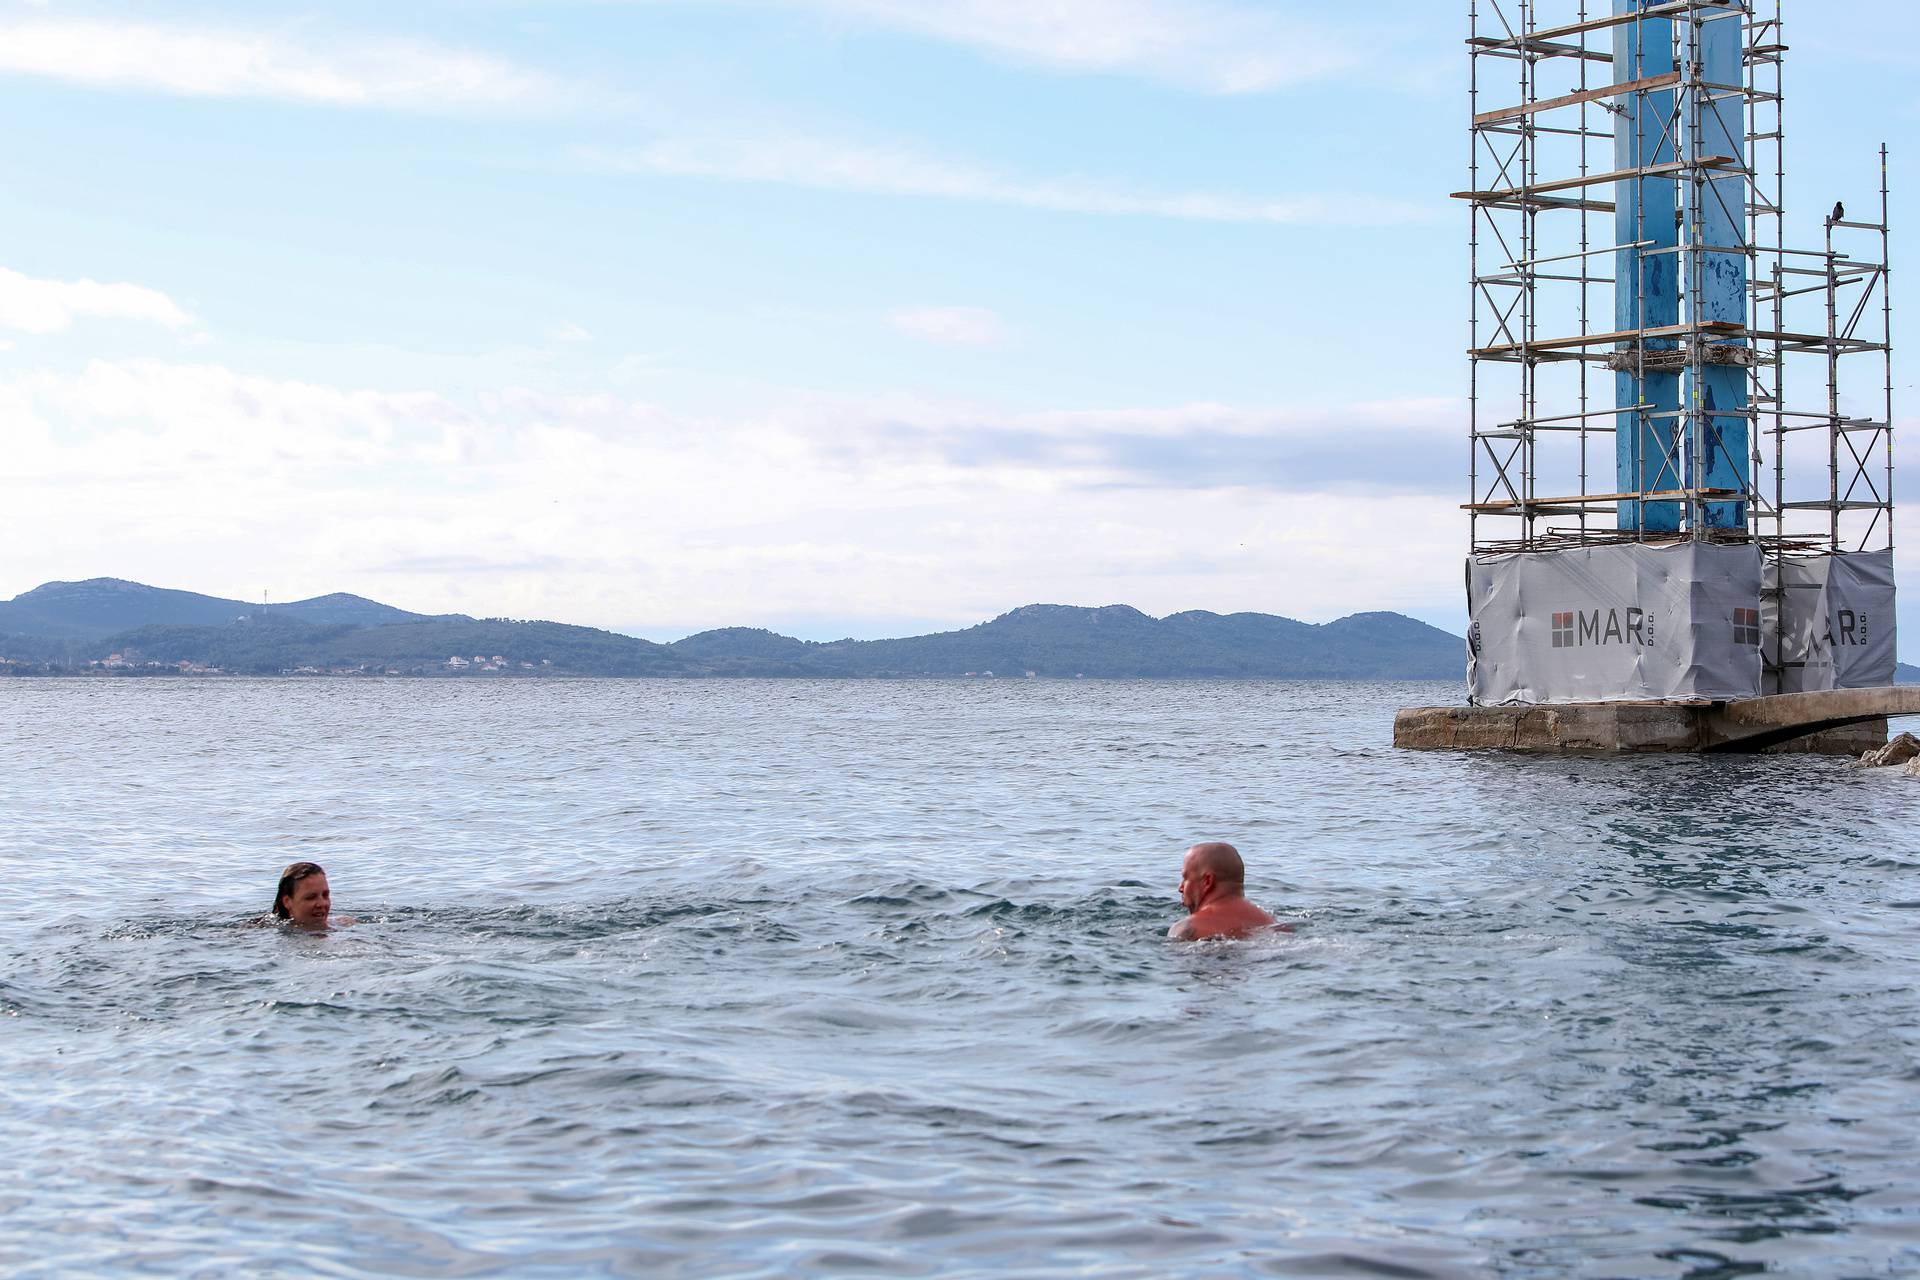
<point>303,898</point>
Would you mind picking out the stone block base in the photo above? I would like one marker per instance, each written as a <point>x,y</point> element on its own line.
<point>1609,727</point>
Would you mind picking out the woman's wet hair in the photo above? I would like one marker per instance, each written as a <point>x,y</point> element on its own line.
<point>293,875</point>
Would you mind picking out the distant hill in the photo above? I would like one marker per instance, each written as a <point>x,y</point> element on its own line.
<point>731,646</point>
<point>1906,673</point>
<point>107,624</point>
<point>102,606</point>
<point>271,644</point>
<point>342,608</point>
<point>1119,641</point>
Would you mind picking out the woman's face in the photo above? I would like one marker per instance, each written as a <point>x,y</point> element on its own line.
<point>310,902</point>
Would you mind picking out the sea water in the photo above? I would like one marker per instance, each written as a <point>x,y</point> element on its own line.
<point>775,978</point>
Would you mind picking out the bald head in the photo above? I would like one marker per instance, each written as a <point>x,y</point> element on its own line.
<point>1209,871</point>
<point>1220,859</point>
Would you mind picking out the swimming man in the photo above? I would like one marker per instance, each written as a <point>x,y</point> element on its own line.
<point>1213,884</point>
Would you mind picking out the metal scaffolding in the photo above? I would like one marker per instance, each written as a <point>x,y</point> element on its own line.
<point>1628,162</point>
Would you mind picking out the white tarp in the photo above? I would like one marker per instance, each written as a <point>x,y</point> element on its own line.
<point>1829,622</point>
<point>1623,623</point>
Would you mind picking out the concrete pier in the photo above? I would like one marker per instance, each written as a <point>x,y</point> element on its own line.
<point>1828,722</point>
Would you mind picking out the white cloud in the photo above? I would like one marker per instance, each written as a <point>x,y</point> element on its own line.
<point>952,326</point>
<point>1433,415</point>
<point>829,166</point>
<point>49,306</point>
<point>608,511</point>
<point>160,416</point>
<point>1360,449</point>
<point>1203,44</point>
<point>214,62</point>
<point>570,333</point>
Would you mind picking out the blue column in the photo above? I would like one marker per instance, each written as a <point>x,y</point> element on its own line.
<point>1721,439</point>
<point>1646,279</point>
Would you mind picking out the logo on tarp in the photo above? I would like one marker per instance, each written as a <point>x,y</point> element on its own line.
<point>1846,627</point>
<point>1746,626</point>
<point>1575,628</point>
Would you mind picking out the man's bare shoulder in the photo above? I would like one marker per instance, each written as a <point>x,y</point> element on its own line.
<point>1204,925</point>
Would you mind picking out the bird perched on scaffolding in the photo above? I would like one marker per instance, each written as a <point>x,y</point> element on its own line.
<point>1839,212</point>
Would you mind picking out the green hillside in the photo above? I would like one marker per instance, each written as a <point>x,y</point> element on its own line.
<point>273,645</point>
<point>64,627</point>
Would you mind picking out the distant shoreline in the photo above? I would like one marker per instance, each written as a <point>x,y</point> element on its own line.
<point>62,673</point>
<point>109,626</point>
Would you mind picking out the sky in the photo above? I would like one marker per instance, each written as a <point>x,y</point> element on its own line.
<point>838,317</point>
